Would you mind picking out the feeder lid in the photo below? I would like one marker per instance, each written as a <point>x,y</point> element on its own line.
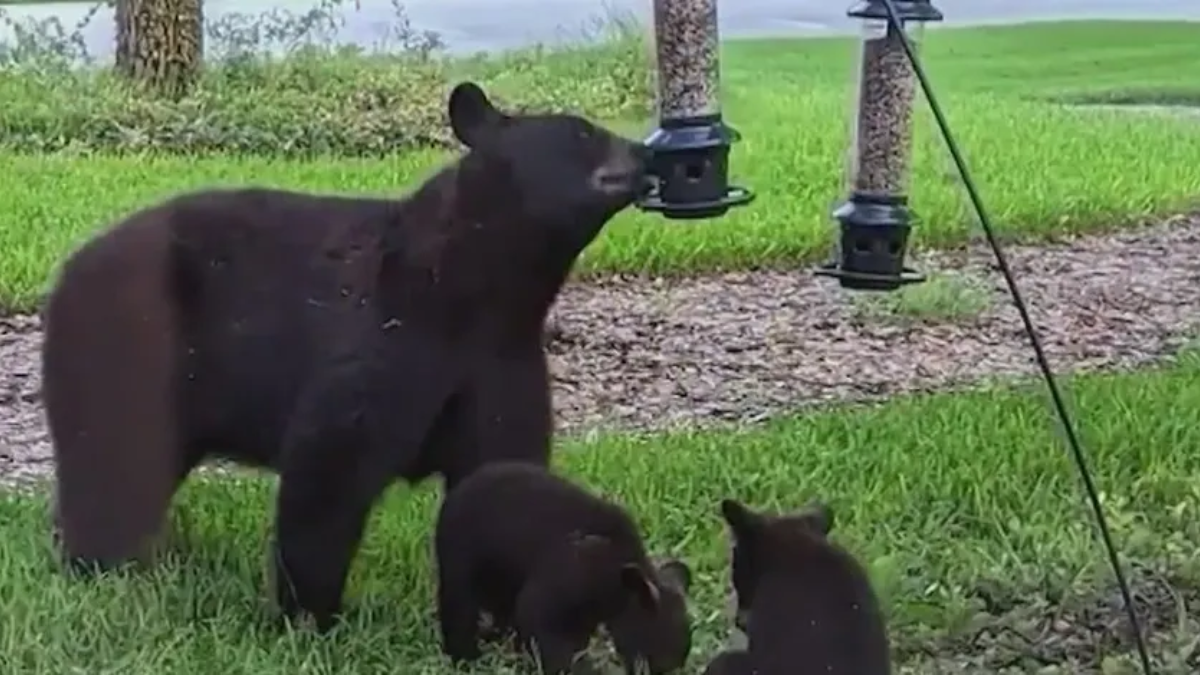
<point>698,134</point>
<point>909,10</point>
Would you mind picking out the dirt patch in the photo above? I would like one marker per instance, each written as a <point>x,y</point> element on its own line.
<point>741,347</point>
<point>636,353</point>
<point>1076,636</point>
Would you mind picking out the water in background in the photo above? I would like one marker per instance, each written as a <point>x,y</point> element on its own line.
<point>474,25</point>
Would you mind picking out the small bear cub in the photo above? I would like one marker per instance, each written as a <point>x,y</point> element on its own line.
<point>553,562</point>
<point>805,603</point>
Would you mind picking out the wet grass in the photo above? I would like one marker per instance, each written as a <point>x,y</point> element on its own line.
<point>1045,169</point>
<point>966,509</point>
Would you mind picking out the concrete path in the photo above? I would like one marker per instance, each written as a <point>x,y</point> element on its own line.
<point>470,25</point>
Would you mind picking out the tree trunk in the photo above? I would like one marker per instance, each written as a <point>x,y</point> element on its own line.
<point>160,43</point>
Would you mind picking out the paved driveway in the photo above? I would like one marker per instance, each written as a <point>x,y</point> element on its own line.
<point>470,25</point>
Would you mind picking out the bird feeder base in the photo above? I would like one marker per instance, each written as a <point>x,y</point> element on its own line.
<point>872,245</point>
<point>690,160</point>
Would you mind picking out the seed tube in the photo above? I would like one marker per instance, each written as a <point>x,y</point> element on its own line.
<point>883,124</point>
<point>686,43</point>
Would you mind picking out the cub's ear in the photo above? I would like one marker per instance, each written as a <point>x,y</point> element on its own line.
<point>634,580</point>
<point>472,115</point>
<point>741,520</point>
<point>676,573</point>
<point>819,516</point>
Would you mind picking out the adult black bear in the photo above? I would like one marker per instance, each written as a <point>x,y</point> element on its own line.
<point>806,605</point>
<point>549,559</point>
<point>343,342</point>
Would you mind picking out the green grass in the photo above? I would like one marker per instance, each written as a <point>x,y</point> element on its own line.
<point>940,495</point>
<point>1044,169</point>
<point>951,296</point>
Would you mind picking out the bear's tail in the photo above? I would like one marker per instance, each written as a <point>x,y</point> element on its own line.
<point>109,383</point>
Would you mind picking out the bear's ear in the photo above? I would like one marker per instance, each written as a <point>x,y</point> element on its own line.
<point>634,579</point>
<point>741,520</point>
<point>676,573</point>
<point>472,115</point>
<point>819,516</point>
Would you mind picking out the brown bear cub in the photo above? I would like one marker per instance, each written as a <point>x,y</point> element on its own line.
<point>806,605</point>
<point>554,562</point>
<point>342,342</point>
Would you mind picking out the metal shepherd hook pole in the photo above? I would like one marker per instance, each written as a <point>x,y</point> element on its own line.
<point>691,145</point>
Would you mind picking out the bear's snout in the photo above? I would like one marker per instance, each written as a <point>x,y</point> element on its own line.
<point>625,171</point>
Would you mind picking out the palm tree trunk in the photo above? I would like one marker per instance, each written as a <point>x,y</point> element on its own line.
<point>160,43</point>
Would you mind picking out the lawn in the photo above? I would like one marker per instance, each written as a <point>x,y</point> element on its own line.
<point>1045,169</point>
<point>965,507</point>
<point>945,497</point>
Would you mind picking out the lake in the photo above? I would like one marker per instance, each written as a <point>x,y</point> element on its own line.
<point>472,25</point>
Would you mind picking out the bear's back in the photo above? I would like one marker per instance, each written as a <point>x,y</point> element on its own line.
<point>271,286</point>
<point>815,605</point>
<point>514,512</point>
<point>255,251</point>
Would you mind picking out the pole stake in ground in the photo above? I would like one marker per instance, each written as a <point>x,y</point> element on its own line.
<point>691,145</point>
<point>875,221</point>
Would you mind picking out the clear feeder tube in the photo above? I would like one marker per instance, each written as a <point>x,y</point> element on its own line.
<point>689,165</point>
<point>687,52</point>
<point>882,126</point>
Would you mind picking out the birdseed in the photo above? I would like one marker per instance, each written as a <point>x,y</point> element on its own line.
<point>883,136</point>
<point>687,44</point>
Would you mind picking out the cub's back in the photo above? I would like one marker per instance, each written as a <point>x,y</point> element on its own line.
<point>511,511</point>
<point>816,606</point>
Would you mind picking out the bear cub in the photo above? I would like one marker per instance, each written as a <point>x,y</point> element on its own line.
<point>552,561</point>
<point>805,603</point>
<point>344,342</point>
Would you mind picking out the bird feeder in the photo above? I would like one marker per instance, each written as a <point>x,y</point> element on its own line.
<point>875,220</point>
<point>690,147</point>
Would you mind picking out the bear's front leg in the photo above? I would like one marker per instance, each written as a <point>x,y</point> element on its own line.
<point>507,415</point>
<point>457,604</point>
<point>325,495</point>
<point>732,662</point>
<point>549,628</point>
<point>351,435</point>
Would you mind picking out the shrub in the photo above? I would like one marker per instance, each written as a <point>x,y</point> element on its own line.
<point>280,84</point>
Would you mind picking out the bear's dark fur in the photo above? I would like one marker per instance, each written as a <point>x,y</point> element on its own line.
<point>343,342</point>
<point>553,561</point>
<point>805,603</point>
<point>731,662</point>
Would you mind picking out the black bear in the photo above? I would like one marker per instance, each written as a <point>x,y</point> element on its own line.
<point>806,604</point>
<point>731,662</point>
<point>552,561</point>
<point>341,342</point>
